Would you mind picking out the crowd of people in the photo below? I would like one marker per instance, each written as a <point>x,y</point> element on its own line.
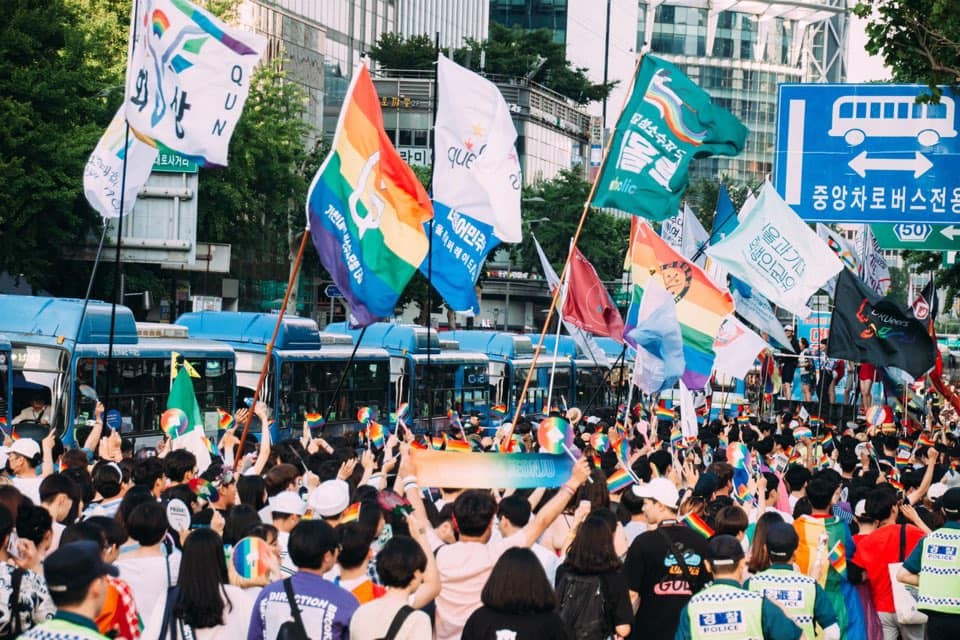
<point>777,528</point>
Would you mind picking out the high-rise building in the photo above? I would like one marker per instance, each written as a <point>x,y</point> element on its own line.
<point>736,50</point>
<point>454,20</point>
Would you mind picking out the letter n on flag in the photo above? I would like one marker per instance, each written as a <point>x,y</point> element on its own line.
<point>588,304</point>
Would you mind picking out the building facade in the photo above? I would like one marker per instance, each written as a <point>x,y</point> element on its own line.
<point>454,20</point>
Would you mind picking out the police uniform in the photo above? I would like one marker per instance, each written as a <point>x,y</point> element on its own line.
<point>799,595</point>
<point>936,559</point>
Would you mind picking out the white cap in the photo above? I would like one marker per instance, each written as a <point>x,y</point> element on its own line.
<point>330,499</point>
<point>788,327</point>
<point>288,502</point>
<point>861,508</point>
<point>659,489</point>
<point>936,490</point>
<point>26,447</point>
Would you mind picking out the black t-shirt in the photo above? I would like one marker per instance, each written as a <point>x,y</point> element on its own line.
<point>617,593</point>
<point>652,571</point>
<point>487,624</point>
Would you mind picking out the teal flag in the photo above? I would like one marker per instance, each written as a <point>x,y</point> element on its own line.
<point>668,121</point>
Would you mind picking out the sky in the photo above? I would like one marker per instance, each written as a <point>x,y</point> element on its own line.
<point>862,67</point>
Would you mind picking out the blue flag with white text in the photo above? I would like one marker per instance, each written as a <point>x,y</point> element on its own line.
<point>460,244</point>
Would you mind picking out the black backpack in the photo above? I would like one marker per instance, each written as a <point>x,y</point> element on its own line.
<point>583,606</point>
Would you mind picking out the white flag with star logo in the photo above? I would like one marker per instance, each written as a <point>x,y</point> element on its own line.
<point>477,170</point>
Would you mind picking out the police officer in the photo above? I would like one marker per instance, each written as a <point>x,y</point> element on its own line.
<point>799,595</point>
<point>725,609</point>
<point>934,566</point>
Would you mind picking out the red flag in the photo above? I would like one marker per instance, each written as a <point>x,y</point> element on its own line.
<point>588,304</point>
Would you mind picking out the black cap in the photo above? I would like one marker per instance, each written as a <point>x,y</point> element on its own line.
<point>75,566</point>
<point>950,503</point>
<point>706,484</point>
<point>724,550</point>
<point>782,540</point>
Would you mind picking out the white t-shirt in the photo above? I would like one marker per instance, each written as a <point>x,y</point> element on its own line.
<point>548,559</point>
<point>632,529</point>
<point>464,568</point>
<point>373,619</point>
<point>147,577</point>
<point>30,487</point>
<point>236,617</point>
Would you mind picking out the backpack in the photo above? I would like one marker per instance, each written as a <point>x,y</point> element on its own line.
<point>583,606</point>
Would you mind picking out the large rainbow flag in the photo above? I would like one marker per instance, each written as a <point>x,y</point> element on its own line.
<point>366,209</point>
<point>822,563</point>
<point>701,306</point>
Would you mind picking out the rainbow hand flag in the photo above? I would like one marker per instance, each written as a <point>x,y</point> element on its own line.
<point>499,410</point>
<point>618,480</point>
<point>925,440</point>
<point>622,448</point>
<point>666,414</point>
<point>827,441</point>
<point>701,306</point>
<point>375,433</point>
<point>600,442</point>
<point>416,444</point>
<point>698,524</point>
<point>314,420</point>
<point>350,514</point>
<point>454,444</point>
<point>226,421</point>
<point>676,437</point>
<point>367,208</point>
<point>364,415</point>
<point>838,558</point>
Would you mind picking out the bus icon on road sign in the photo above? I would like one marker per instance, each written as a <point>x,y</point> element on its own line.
<point>868,153</point>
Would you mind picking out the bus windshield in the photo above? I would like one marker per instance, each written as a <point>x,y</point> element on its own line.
<point>141,386</point>
<point>38,371</point>
<point>593,390</point>
<point>452,386</point>
<point>308,386</point>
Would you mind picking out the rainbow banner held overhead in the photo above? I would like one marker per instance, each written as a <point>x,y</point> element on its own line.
<point>491,470</point>
<point>366,209</point>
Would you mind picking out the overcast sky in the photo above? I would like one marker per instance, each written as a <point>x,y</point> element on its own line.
<point>860,66</point>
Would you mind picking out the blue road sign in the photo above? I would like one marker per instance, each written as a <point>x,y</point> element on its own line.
<point>867,153</point>
<point>331,291</point>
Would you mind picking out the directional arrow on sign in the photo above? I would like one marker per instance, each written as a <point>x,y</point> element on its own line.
<point>918,164</point>
<point>950,232</point>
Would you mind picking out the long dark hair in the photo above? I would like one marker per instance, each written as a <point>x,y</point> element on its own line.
<point>203,572</point>
<point>592,548</point>
<point>518,585</point>
<point>759,557</point>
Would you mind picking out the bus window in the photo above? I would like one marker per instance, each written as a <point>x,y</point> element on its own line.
<point>312,385</point>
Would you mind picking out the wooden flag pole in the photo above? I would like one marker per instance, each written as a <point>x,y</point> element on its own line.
<point>566,264</point>
<point>273,339</point>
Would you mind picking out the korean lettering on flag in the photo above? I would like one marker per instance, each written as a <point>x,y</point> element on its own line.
<point>777,254</point>
<point>668,121</point>
<point>873,269</point>
<point>188,76</point>
<point>103,174</point>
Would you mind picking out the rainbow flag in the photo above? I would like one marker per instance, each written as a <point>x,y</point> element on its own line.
<point>367,209</point>
<point>815,422</point>
<point>435,443</point>
<point>925,440</point>
<point>676,437</point>
<point>375,433</point>
<point>742,420</point>
<point>698,524</point>
<point>827,441</point>
<point>416,444</point>
<point>314,420</point>
<point>622,448</point>
<point>350,514</point>
<point>701,306</point>
<point>600,442</point>
<point>226,420</point>
<point>618,480</point>
<point>838,558</point>
<point>666,414</point>
<point>460,446</point>
<point>499,409</point>
<point>723,441</point>
<point>824,462</point>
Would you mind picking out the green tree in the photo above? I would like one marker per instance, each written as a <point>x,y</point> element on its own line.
<point>53,89</point>
<point>393,51</point>
<point>918,39</point>
<point>702,195</point>
<point>604,237</point>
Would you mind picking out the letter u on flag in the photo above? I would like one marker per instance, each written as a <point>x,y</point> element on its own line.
<point>366,209</point>
<point>667,122</point>
<point>188,75</point>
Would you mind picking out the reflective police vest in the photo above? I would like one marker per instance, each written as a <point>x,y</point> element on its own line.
<point>724,611</point>
<point>57,629</point>
<point>795,592</point>
<point>940,572</point>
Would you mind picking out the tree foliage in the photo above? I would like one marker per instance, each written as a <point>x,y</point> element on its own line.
<point>510,52</point>
<point>604,237</point>
<point>918,39</point>
<point>702,195</point>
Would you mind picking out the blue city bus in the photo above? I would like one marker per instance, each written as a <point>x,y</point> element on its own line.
<point>511,357</point>
<point>591,388</point>
<point>304,368</point>
<point>457,380</point>
<point>6,380</point>
<point>52,355</point>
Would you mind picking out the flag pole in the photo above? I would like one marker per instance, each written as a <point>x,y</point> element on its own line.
<point>556,346</point>
<point>343,377</point>
<point>273,339</point>
<point>433,163</point>
<point>566,265</point>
